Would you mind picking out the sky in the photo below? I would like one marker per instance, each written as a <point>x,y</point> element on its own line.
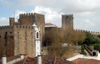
<point>86,12</point>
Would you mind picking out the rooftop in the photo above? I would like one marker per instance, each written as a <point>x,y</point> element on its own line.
<point>45,60</point>
<point>50,25</point>
<point>86,61</point>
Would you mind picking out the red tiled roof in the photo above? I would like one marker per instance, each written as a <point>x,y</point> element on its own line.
<point>12,58</point>
<point>16,22</point>
<point>48,24</point>
<point>86,61</point>
<point>45,60</point>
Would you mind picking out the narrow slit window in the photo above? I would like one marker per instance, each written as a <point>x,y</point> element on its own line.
<point>37,34</point>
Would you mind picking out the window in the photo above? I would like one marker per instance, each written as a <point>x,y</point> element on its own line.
<point>10,32</point>
<point>37,34</point>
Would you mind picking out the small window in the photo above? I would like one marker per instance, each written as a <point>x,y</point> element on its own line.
<point>37,34</point>
<point>10,32</point>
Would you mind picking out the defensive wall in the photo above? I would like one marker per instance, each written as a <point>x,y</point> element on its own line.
<point>24,40</point>
<point>92,32</point>
<point>17,39</point>
<point>6,40</point>
<point>67,21</point>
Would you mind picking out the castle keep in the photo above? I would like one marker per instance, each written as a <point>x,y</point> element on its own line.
<point>67,21</point>
<point>18,38</point>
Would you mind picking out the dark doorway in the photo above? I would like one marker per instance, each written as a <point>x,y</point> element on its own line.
<point>94,53</point>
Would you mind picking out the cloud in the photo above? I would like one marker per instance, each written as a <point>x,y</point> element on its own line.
<point>86,12</point>
<point>4,21</point>
<point>85,24</point>
<point>16,14</point>
<point>51,16</point>
<point>66,6</point>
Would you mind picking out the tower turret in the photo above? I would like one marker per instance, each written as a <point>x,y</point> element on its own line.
<point>67,21</point>
<point>11,21</point>
<point>37,41</point>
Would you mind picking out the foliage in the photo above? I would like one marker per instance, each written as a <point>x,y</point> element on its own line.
<point>91,39</point>
<point>65,36</point>
<point>96,46</point>
<point>98,36</point>
<point>57,51</point>
<point>85,53</point>
<point>82,47</point>
<point>56,38</point>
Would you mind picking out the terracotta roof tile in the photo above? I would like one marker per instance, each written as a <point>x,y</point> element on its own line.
<point>49,24</point>
<point>12,58</point>
<point>16,22</point>
<point>45,60</point>
<point>86,61</point>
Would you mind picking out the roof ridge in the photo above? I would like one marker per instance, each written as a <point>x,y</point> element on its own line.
<point>25,59</point>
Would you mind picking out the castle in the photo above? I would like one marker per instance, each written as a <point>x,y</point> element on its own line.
<point>19,37</point>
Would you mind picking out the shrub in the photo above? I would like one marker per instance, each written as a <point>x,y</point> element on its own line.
<point>82,47</point>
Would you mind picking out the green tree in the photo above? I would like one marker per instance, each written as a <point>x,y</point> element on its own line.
<point>99,36</point>
<point>58,38</point>
<point>91,39</point>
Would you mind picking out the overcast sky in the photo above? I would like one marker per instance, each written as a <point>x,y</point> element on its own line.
<point>86,12</point>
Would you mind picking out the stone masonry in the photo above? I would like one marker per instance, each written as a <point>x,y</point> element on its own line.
<point>67,21</point>
<point>18,37</point>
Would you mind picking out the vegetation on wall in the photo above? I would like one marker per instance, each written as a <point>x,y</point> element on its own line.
<point>98,36</point>
<point>57,38</point>
<point>92,40</point>
<point>65,36</point>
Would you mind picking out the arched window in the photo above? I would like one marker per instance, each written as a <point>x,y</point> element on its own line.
<point>37,34</point>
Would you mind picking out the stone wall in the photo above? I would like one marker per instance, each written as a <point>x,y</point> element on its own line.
<point>6,40</point>
<point>11,21</point>
<point>24,40</point>
<point>67,21</point>
<point>30,18</point>
<point>26,19</point>
<point>92,32</point>
<point>40,22</point>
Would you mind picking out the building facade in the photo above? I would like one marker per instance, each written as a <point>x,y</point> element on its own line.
<point>67,21</point>
<point>18,37</point>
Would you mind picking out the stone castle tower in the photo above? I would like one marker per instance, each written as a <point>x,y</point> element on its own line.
<point>67,21</point>
<point>18,37</point>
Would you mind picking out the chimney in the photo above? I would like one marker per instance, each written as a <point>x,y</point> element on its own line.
<point>39,60</point>
<point>4,61</point>
<point>21,56</point>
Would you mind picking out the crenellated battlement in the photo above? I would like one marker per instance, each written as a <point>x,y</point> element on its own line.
<point>26,14</point>
<point>92,32</point>
<point>6,27</point>
<point>23,27</point>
